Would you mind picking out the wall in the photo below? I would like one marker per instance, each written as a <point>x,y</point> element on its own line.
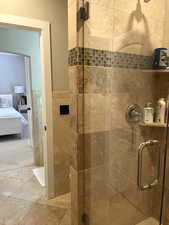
<point>26,43</point>
<point>119,39</point>
<point>12,72</point>
<point>54,11</point>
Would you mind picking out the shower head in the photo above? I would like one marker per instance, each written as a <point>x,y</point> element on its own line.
<point>147,1</point>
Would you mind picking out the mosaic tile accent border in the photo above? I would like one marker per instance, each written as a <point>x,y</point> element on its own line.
<point>95,57</point>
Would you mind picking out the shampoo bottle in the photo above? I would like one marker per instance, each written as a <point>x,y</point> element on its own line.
<point>161,111</point>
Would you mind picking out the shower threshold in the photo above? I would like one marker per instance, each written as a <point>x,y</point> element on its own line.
<point>149,221</point>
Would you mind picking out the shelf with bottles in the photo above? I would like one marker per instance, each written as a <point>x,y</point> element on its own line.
<point>155,117</point>
<point>153,124</point>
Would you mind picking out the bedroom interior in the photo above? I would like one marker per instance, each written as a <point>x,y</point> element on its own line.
<point>16,123</point>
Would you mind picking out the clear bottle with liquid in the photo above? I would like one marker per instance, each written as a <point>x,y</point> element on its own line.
<point>149,113</point>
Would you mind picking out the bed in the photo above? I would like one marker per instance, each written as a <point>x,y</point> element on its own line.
<point>11,121</point>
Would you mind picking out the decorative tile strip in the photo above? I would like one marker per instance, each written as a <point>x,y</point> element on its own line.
<point>95,57</point>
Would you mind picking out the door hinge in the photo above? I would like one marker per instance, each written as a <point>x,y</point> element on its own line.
<point>45,128</point>
<point>85,219</point>
<point>84,12</point>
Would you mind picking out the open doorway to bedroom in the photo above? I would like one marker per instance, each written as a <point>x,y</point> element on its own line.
<point>25,109</point>
<point>21,149</point>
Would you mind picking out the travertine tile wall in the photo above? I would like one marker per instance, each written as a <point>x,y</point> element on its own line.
<point>108,146</point>
<point>65,139</point>
<point>119,25</point>
<point>104,170</point>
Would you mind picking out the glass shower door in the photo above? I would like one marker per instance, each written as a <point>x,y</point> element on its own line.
<point>122,157</point>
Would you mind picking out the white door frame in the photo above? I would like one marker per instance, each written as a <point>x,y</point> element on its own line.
<point>45,50</point>
<point>27,61</point>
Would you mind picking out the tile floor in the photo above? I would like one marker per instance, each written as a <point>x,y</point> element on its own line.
<point>149,221</point>
<point>22,200</point>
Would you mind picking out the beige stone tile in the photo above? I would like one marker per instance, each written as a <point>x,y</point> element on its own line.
<point>13,210</point>
<point>62,201</point>
<point>77,200</point>
<point>143,201</point>
<point>65,98</point>
<point>22,174</point>
<point>76,79</point>
<point>149,221</point>
<point>66,219</point>
<point>166,207</point>
<point>43,215</point>
<point>167,171</point>
<point>102,3</point>
<point>30,191</point>
<point>136,35</point>
<point>62,182</point>
<point>125,6</point>
<point>91,80</point>
<point>99,28</point>
<point>96,113</point>
<point>70,2</point>
<point>103,204</point>
<point>65,127</point>
<point>150,10</point>
<point>97,80</point>
<point>9,186</point>
<point>122,212</point>
<point>92,40</point>
<point>93,149</point>
<point>72,24</point>
<point>14,153</point>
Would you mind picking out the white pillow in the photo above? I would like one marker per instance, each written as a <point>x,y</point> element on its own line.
<point>5,101</point>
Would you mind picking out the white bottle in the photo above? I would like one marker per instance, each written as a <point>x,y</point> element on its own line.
<point>161,110</point>
<point>148,113</point>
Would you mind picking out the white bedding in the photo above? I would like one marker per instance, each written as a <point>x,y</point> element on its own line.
<point>11,113</point>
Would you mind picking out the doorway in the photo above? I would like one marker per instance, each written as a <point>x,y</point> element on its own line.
<point>19,143</point>
<point>42,28</point>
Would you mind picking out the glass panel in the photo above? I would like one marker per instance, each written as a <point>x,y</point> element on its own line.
<point>118,44</point>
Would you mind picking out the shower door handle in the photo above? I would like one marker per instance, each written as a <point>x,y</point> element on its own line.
<point>142,148</point>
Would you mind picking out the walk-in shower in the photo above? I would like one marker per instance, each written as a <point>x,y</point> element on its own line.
<point>120,170</point>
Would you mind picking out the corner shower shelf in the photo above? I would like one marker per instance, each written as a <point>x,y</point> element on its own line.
<point>156,71</point>
<point>153,125</point>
